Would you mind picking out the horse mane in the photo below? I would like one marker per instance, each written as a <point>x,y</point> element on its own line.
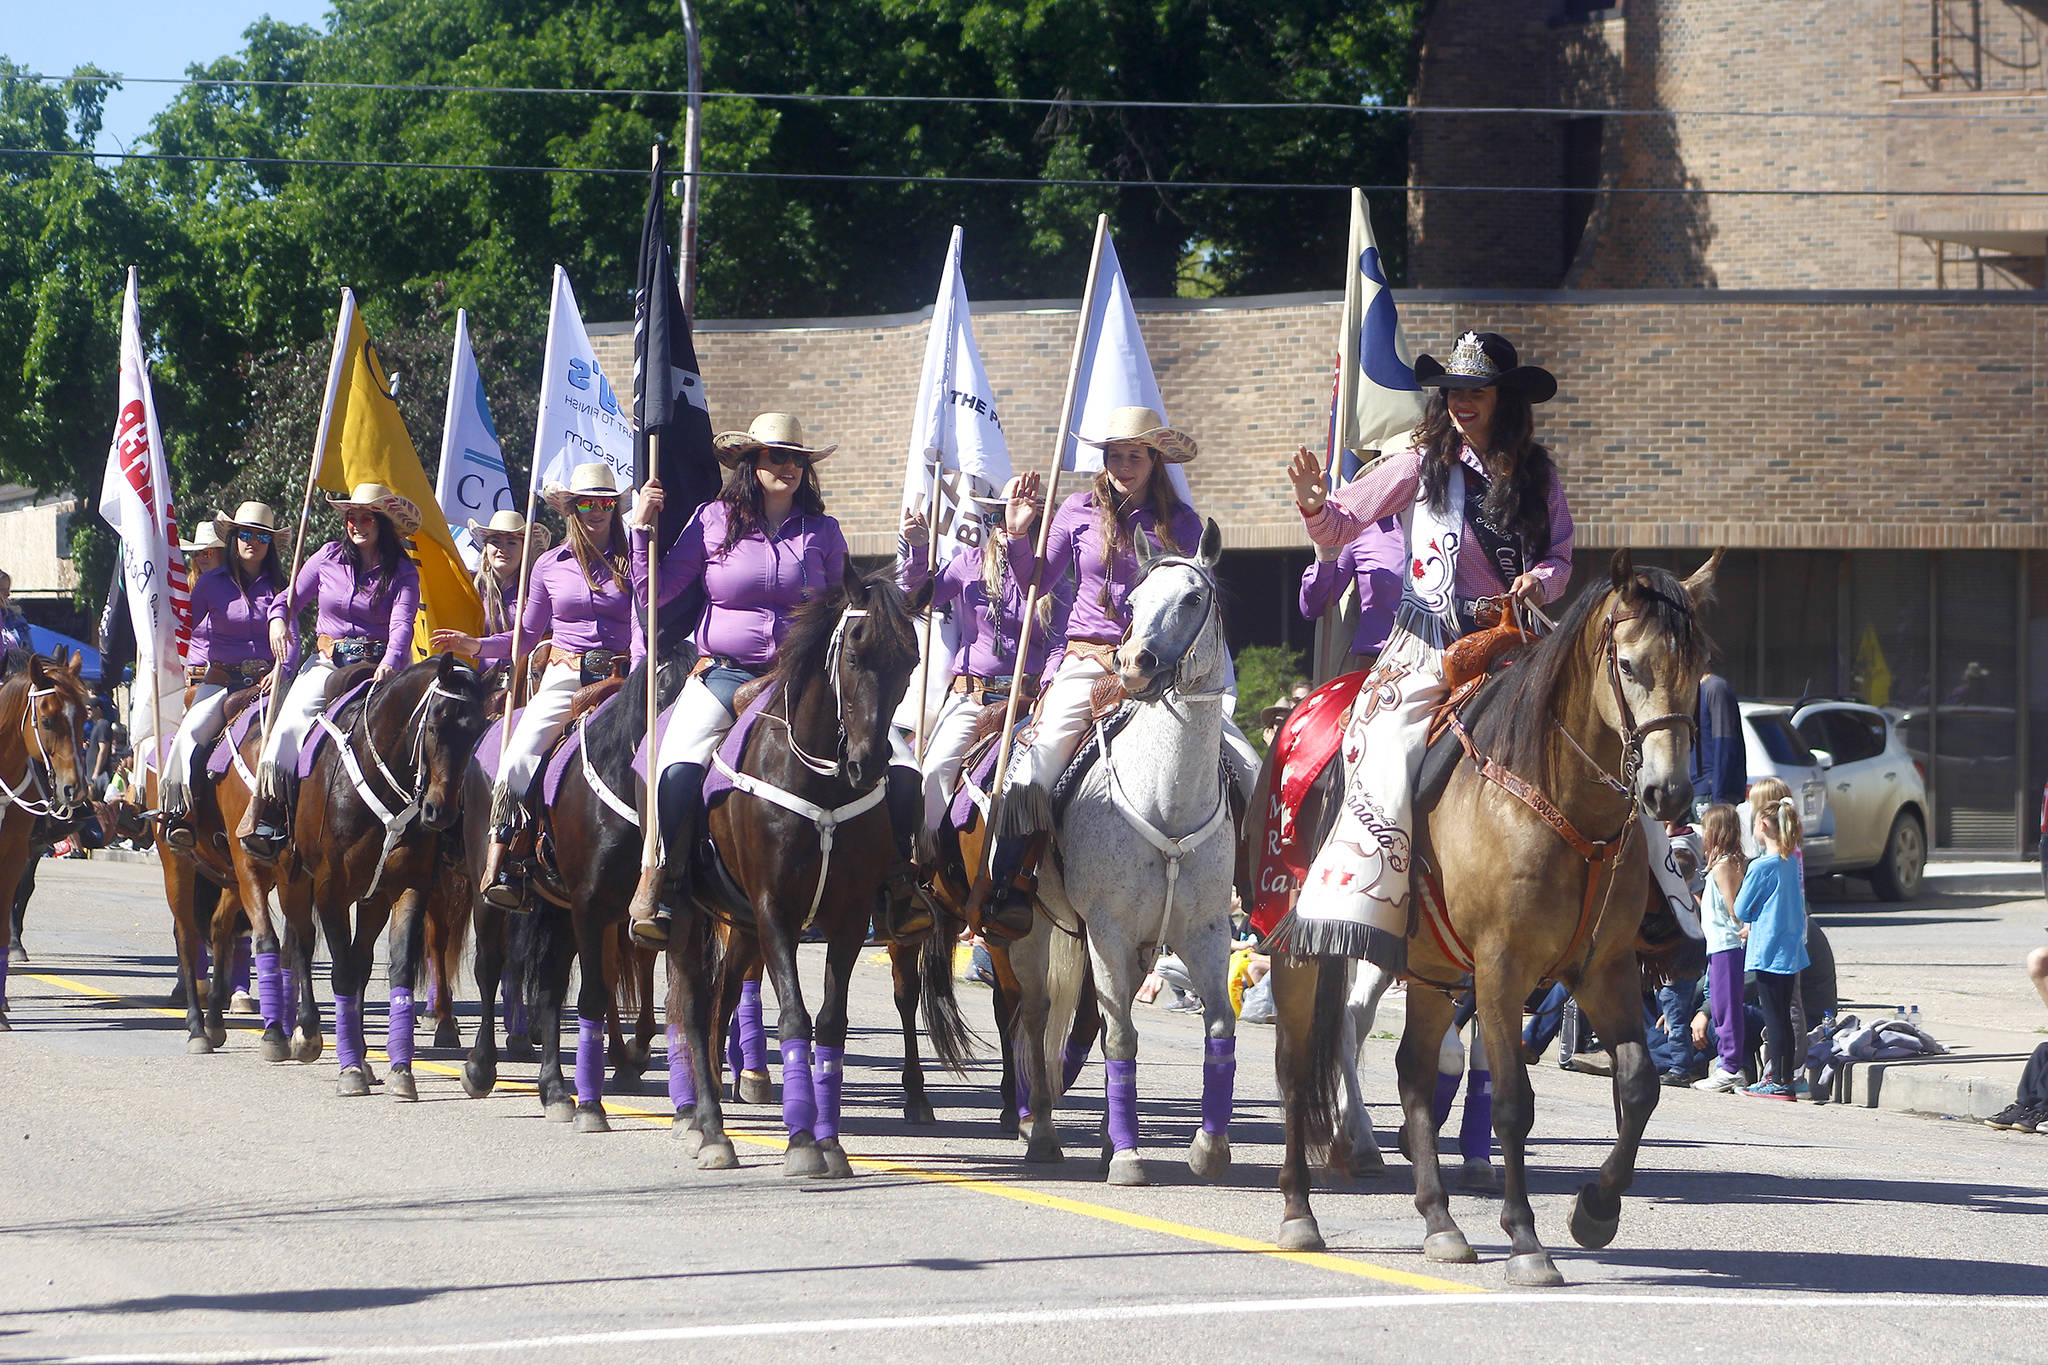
<point>801,657</point>
<point>1516,730</point>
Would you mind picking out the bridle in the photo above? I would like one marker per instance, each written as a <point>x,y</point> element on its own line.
<point>834,652</point>
<point>36,776</point>
<point>412,795</point>
<point>1188,663</point>
<point>1633,732</point>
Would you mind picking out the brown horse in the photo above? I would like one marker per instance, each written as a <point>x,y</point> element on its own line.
<point>42,767</point>
<point>204,894</point>
<point>1597,720</point>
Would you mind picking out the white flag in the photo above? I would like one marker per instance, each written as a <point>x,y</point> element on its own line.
<point>956,435</point>
<point>581,418</point>
<point>1115,371</point>
<point>1377,396</point>
<point>135,498</point>
<point>472,484</point>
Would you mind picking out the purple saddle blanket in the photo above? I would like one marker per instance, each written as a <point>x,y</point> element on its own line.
<point>716,784</point>
<point>317,734</point>
<point>223,755</point>
<point>572,745</point>
<point>490,749</point>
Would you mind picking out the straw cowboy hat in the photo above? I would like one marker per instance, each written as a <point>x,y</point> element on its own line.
<point>256,516</point>
<point>593,478</point>
<point>1276,713</point>
<point>1486,358</point>
<point>375,497</point>
<point>207,537</point>
<point>507,522</point>
<point>776,430</point>
<point>1143,426</point>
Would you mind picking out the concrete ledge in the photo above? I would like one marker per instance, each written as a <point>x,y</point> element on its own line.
<point>1936,1085</point>
<point>123,855</point>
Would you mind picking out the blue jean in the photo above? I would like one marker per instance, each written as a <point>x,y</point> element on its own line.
<point>1545,1020</point>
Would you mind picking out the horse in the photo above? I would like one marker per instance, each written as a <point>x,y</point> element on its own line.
<point>43,706</point>
<point>1125,885</point>
<point>804,838</point>
<point>1594,723</point>
<point>367,826</point>
<point>203,890</point>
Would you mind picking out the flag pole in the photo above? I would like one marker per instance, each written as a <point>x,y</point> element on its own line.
<point>526,558</point>
<point>1343,403</point>
<point>650,826</point>
<point>1052,488</point>
<point>936,456</point>
<point>693,162</point>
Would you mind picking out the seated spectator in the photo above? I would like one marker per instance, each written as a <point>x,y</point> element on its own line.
<point>2028,1113</point>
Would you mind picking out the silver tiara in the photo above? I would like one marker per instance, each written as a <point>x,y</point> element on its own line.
<point>1470,358</point>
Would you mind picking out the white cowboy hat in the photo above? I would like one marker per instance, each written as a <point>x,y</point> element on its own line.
<point>776,429</point>
<point>594,478</point>
<point>1143,426</point>
<point>257,516</point>
<point>375,497</point>
<point>207,537</point>
<point>507,522</point>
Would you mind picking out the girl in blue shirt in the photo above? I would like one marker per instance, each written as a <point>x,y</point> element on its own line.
<point>1773,904</point>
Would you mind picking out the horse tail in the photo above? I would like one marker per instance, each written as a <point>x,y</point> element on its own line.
<point>951,1039</point>
<point>1316,1092</point>
<point>1066,975</point>
<point>622,970</point>
<point>533,952</point>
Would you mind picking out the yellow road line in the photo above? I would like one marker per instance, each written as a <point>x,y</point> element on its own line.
<point>1321,1260</point>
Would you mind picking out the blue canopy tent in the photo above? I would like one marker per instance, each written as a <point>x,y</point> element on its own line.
<point>43,640</point>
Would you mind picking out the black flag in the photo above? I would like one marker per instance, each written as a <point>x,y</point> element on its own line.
<point>668,394</point>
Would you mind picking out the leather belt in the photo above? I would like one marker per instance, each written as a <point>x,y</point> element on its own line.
<point>225,675</point>
<point>988,691</point>
<point>349,644</point>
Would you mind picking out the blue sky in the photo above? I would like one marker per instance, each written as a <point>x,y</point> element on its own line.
<point>135,38</point>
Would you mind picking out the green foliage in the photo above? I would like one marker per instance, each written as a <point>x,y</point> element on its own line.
<point>1265,674</point>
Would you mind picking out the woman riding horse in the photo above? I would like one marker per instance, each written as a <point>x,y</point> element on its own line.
<point>579,596</point>
<point>367,591</point>
<point>231,647</point>
<point>984,581</point>
<point>762,549</point>
<point>505,542</point>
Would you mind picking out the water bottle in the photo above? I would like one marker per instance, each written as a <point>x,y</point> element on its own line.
<point>1913,1018</point>
<point>1899,1013</point>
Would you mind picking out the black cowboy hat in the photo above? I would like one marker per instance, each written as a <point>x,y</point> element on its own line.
<point>1486,358</point>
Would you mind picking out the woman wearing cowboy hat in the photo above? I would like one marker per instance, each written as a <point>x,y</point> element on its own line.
<point>580,598</point>
<point>231,642</point>
<point>984,580</point>
<point>760,549</point>
<point>206,551</point>
<point>505,541</point>
<point>367,592</point>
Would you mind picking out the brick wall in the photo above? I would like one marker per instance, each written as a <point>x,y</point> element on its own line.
<point>1683,419</point>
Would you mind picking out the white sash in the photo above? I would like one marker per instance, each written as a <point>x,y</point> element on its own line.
<point>1429,607</point>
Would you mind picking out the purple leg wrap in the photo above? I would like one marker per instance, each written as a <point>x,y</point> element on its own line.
<point>1120,1094</point>
<point>1072,1059</point>
<point>398,1031</point>
<point>799,1105</point>
<point>1446,1092</point>
<point>430,998</point>
<point>747,1028</point>
<point>589,1060</point>
<point>1219,1083</point>
<point>831,1074</point>
<point>269,990</point>
<point>1475,1130</point>
<point>515,1008</point>
<point>682,1071</point>
<point>241,982</point>
<point>348,1051</point>
<point>1023,1095</point>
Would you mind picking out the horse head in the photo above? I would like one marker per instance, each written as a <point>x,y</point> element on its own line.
<point>53,731</point>
<point>454,711</point>
<point>1653,653</point>
<point>1175,638</point>
<point>865,647</point>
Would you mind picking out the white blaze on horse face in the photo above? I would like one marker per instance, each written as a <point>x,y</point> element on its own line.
<point>1170,610</point>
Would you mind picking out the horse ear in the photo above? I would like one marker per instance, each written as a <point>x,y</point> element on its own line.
<point>1700,587</point>
<point>856,586</point>
<point>1211,553</point>
<point>447,666</point>
<point>1624,571</point>
<point>1145,552</point>
<point>76,662</point>
<point>920,601</point>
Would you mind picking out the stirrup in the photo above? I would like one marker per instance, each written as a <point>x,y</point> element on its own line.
<point>265,842</point>
<point>652,931</point>
<point>179,835</point>
<point>908,908</point>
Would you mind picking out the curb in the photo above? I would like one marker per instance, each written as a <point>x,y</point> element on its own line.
<point>1932,1090</point>
<point>122,855</point>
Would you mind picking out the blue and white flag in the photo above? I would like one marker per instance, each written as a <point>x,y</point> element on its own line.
<point>1115,371</point>
<point>956,434</point>
<point>1378,400</point>
<point>472,483</point>
<point>581,418</point>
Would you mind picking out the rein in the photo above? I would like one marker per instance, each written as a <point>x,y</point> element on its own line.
<point>396,823</point>
<point>34,778</point>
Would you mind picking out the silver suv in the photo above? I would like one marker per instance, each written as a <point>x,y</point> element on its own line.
<point>1876,791</point>
<point>1773,748</point>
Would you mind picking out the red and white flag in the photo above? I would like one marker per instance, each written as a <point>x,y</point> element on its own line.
<point>135,498</point>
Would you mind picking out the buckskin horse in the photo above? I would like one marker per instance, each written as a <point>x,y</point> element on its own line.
<point>803,838</point>
<point>42,767</point>
<point>1531,866</point>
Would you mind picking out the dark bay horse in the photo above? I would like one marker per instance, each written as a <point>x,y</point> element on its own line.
<point>43,706</point>
<point>805,838</point>
<point>1597,720</point>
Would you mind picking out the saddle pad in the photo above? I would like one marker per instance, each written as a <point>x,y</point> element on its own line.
<point>316,735</point>
<point>490,748</point>
<point>1441,759</point>
<point>231,737</point>
<point>1084,758</point>
<point>1304,746</point>
<point>571,745</point>
<point>975,774</point>
<point>716,784</point>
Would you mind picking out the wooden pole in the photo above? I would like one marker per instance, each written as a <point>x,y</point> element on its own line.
<point>693,162</point>
<point>650,826</point>
<point>526,558</point>
<point>1052,490</point>
<point>937,458</point>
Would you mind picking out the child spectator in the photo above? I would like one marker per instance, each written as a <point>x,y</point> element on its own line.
<point>1772,904</point>
<point>1721,831</point>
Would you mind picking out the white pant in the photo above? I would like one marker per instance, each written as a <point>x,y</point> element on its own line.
<point>306,700</point>
<point>204,720</point>
<point>944,752</point>
<point>540,724</point>
<point>700,722</point>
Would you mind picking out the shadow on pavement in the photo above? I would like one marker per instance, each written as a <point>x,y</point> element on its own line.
<point>1847,1273</point>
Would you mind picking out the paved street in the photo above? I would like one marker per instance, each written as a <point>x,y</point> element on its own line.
<point>167,1207</point>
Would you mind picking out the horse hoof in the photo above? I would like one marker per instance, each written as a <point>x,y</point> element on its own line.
<point>685,1131</point>
<point>199,1045</point>
<point>518,1047</point>
<point>1589,1229</point>
<point>1366,1163</point>
<point>447,1035</point>
<point>804,1160</point>
<point>561,1111</point>
<point>590,1119</point>
<point>1126,1168</point>
<point>1044,1153</point>
<point>1449,1248</point>
<point>918,1112</point>
<point>217,1034</point>
<point>1300,1234</point>
<point>717,1156</point>
<point>241,1002</point>
<point>1479,1177</point>
<point>837,1167</point>
<point>756,1088</point>
<point>478,1081</point>
<point>353,1084</point>
<point>17,954</point>
<point>274,1048</point>
<point>402,1085</point>
<point>307,1047</point>
<point>1209,1154</point>
<point>1533,1270</point>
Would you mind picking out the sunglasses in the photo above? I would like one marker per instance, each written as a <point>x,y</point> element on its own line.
<point>779,458</point>
<point>595,503</point>
<point>253,537</point>
<point>359,518</point>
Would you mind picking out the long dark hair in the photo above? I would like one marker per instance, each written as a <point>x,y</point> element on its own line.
<point>266,571</point>
<point>390,554</point>
<point>1117,532</point>
<point>746,506</point>
<point>1519,500</point>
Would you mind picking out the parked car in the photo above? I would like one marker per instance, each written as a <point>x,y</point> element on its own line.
<point>1877,791</point>
<point>1773,748</point>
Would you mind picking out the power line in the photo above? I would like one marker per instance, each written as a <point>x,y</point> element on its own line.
<point>872,178</point>
<point>1903,108</point>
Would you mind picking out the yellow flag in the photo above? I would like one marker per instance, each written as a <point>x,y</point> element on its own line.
<point>366,442</point>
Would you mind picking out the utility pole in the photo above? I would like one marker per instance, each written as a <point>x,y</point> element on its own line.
<point>693,162</point>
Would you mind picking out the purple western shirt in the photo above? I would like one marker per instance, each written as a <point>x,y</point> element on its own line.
<point>375,609</point>
<point>228,625</point>
<point>1075,541</point>
<point>988,640</point>
<point>1374,560</point>
<point>752,589</point>
<point>560,602</point>
<point>1389,488</point>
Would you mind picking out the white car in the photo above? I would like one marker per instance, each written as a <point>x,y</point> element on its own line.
<point>1877,791</point>
<point>1773,748</point>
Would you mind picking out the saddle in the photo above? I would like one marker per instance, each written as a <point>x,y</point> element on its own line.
<point>587,699</point>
